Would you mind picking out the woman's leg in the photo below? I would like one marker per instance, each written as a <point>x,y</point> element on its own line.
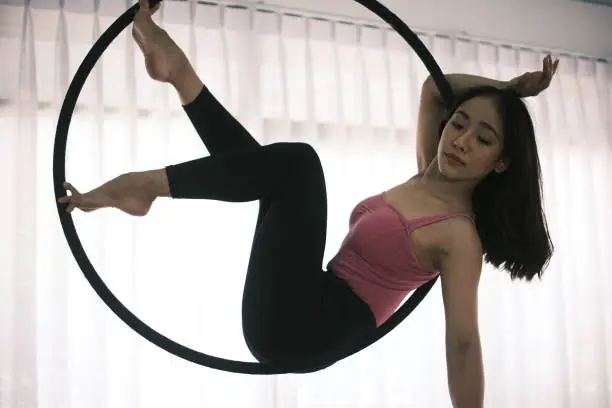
<point>282,294</point>
<point>291,308</point>
<point>219,130</point>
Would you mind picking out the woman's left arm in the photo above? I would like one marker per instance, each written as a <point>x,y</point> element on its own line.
<point>460,274</point>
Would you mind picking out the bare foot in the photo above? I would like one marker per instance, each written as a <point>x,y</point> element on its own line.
<point>125,193</point>
<point>164,59</point>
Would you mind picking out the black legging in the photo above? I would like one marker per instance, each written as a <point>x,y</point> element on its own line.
<point>292,309</point>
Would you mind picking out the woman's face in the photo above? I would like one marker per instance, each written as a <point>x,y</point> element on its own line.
<point>472,141</point>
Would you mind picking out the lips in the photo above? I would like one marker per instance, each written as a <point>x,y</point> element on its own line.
<point>454,159</point>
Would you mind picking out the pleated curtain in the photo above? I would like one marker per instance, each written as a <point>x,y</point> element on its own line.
<point>352,92</point>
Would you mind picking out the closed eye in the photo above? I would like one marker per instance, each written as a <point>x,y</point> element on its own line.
<point>484,141</point>
<point>481,139</point>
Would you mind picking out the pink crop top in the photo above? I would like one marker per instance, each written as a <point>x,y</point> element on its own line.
<point>377,259</point>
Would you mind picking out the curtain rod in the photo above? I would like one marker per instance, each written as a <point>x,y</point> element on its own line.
<point>263,7</point>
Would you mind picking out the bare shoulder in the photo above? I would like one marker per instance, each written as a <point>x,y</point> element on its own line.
<point>461,247</point>
<point>462,234</point>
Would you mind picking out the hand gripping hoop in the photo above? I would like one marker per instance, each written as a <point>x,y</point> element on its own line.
<point>59,176</point>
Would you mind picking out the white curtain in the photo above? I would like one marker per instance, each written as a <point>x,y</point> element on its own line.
<point>352,92</point>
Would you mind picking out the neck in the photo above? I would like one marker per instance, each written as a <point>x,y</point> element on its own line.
<point>455,193</point>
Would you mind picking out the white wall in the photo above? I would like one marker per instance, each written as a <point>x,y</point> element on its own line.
<point>559,24</point>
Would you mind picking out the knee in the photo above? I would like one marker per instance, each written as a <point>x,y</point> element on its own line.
<point>308,152</point>
<point>305,157</point>
<point>297,152</point>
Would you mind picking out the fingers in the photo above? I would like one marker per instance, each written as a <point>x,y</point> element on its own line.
<point>550,67</point>
<point>547,66</point>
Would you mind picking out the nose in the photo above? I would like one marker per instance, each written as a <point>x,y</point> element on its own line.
<point>459,144</point>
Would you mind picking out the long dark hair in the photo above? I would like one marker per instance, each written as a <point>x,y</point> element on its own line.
<point>508,206</point>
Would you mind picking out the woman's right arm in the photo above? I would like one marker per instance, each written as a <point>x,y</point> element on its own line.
<point>432,110</point>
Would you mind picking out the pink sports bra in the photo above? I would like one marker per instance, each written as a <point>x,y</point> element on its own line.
<point>377,258</point>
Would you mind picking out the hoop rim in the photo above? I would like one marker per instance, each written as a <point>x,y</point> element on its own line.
<point>72,238</point>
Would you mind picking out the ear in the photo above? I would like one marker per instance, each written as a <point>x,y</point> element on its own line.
<point>501,166</point>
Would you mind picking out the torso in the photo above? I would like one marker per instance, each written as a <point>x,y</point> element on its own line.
<point>412,202</point>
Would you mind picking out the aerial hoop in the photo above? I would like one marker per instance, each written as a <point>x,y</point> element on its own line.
<point>59,177</point>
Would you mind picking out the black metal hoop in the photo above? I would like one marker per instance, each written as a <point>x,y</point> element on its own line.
<point>59,176</point>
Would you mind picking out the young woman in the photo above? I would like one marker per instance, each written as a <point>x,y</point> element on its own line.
<point>477,195</point>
